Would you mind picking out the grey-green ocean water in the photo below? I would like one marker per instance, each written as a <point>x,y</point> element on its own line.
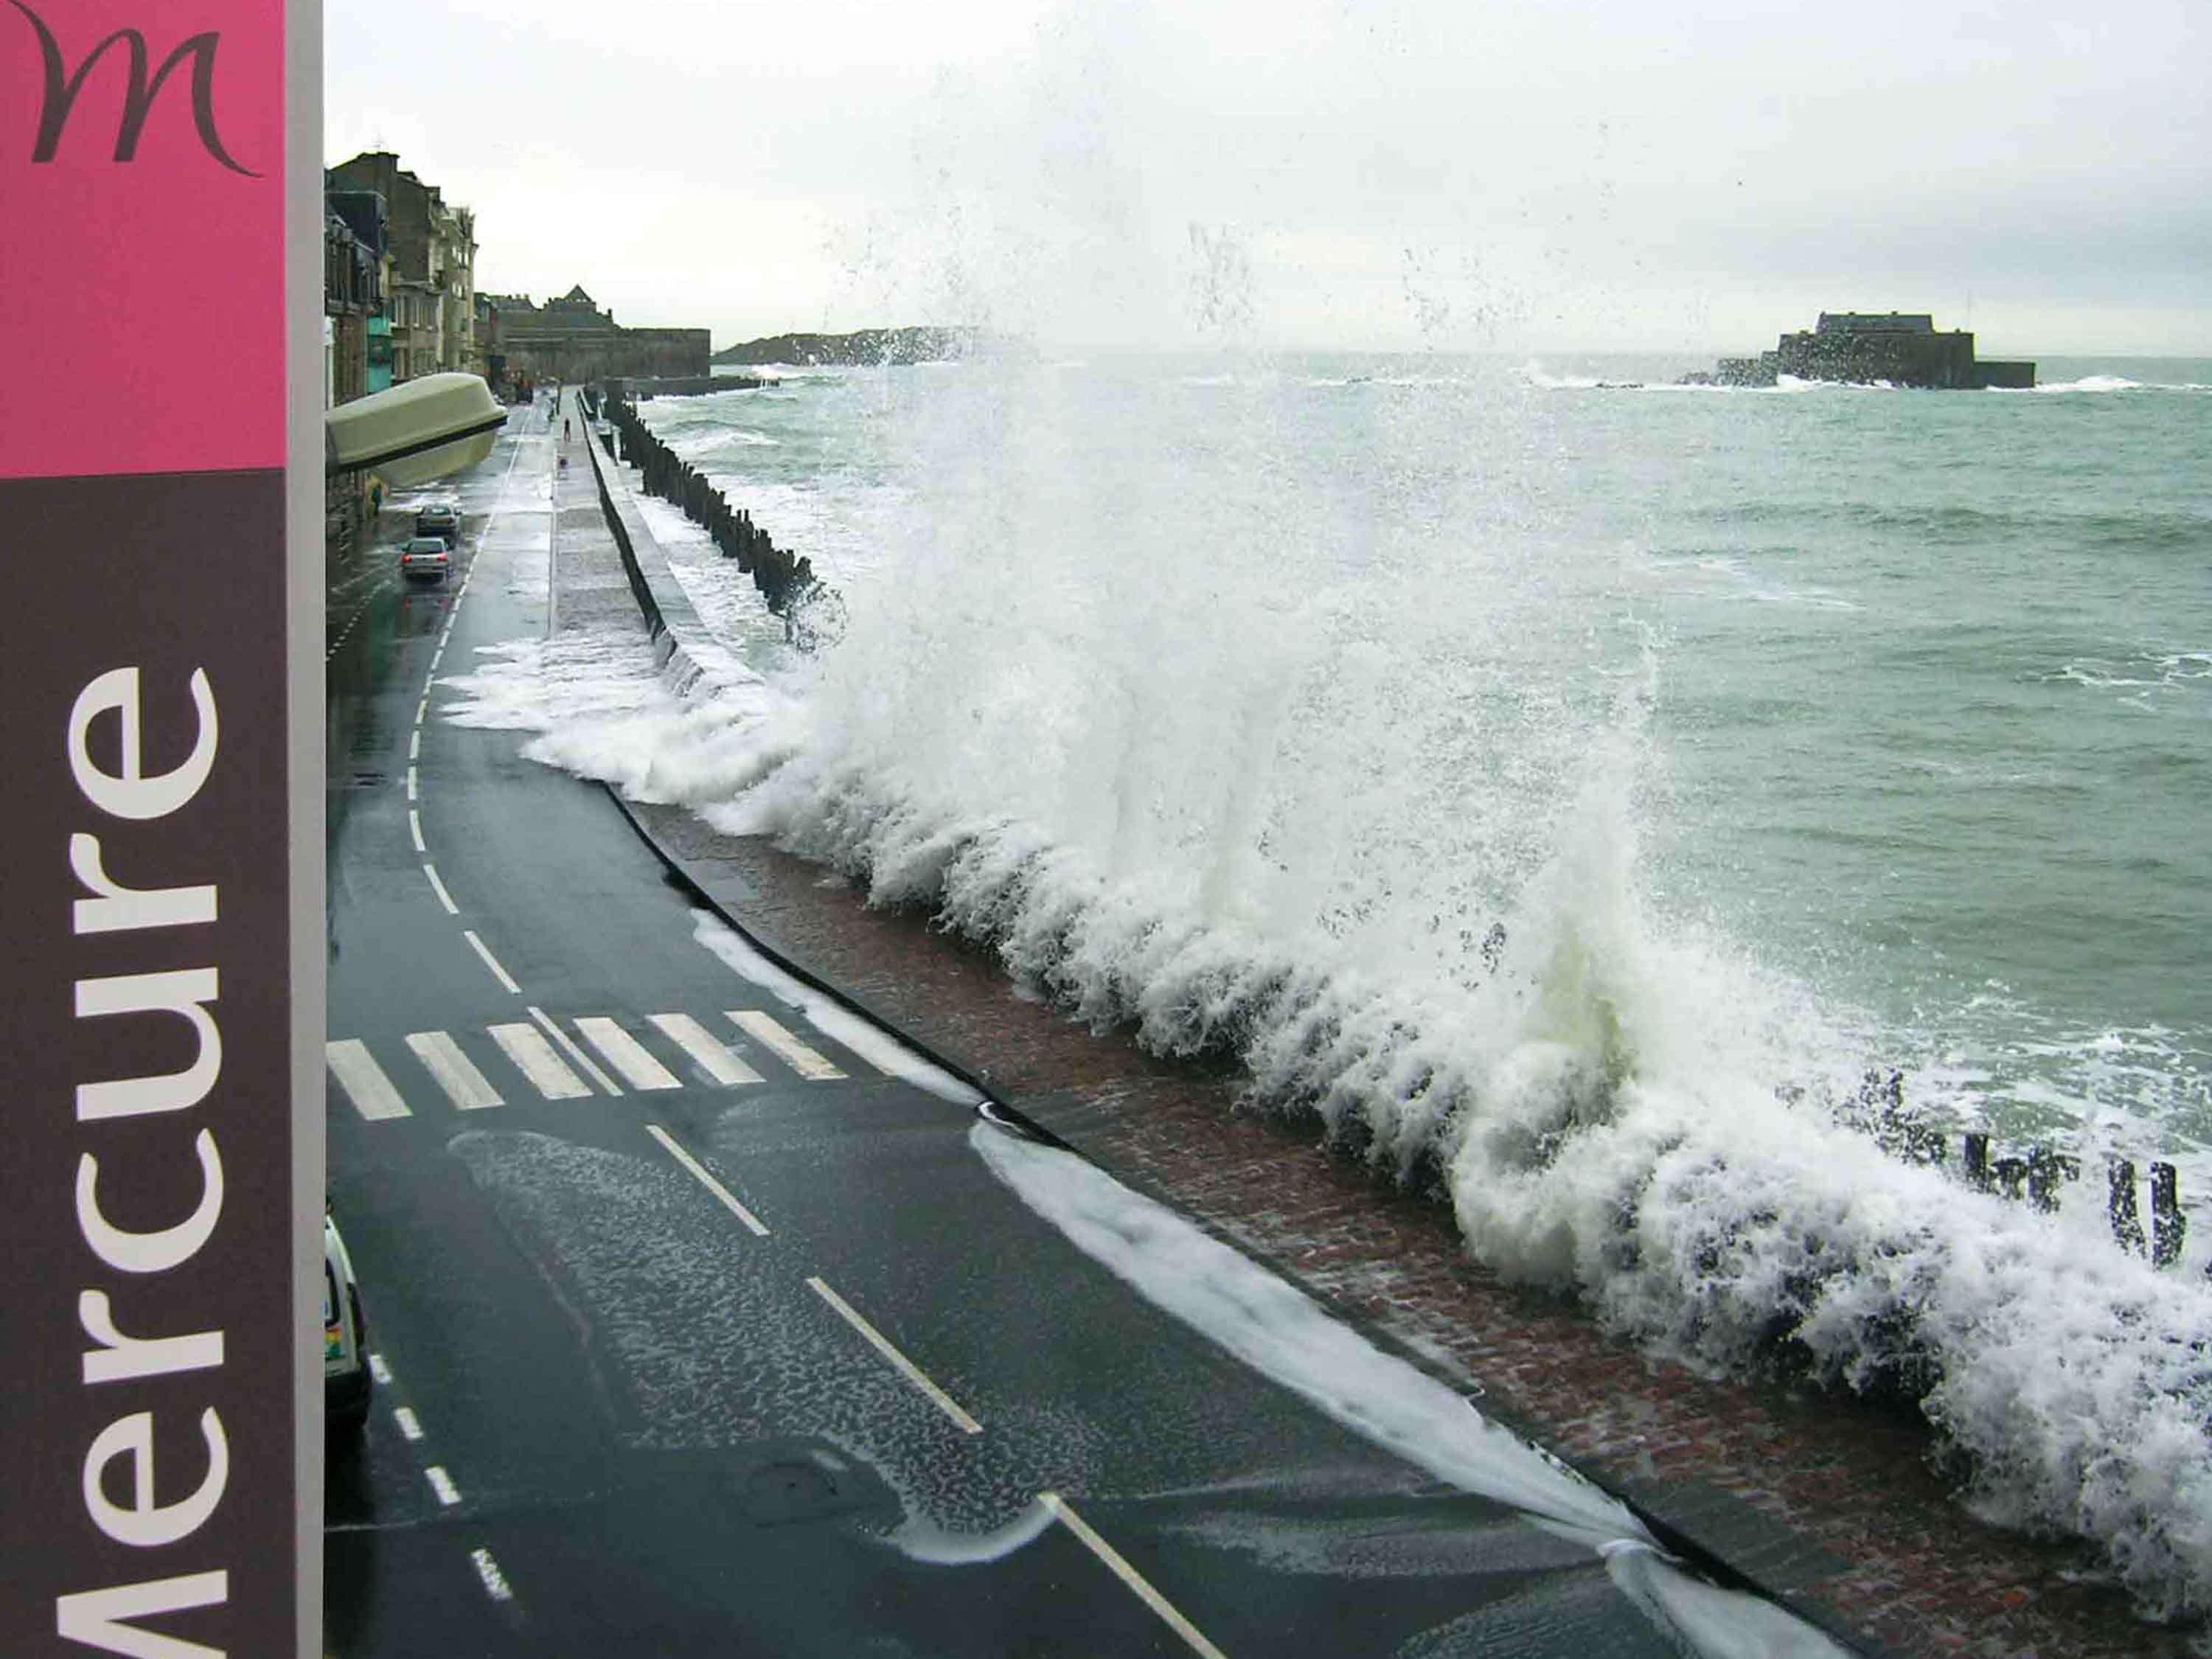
<point>1922,682</point>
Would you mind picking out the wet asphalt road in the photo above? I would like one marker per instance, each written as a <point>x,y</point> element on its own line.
<point>623,1412</point>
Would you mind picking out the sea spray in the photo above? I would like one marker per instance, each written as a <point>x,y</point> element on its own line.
<point>1262,767</point>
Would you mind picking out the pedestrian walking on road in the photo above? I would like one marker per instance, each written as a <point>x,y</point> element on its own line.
<point>564,429</point>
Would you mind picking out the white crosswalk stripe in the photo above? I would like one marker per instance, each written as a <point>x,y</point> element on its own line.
<point>526,1045</point>
<point>696,1040</point>
<point>557,1068</point>
<point>784,1046</point>
<point>363,1081</point>
<point>626,1054</point>
<point>585,1063</point>
<point>466,1086</point>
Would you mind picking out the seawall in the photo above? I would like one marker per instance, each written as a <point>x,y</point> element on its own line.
<point>689,386</point>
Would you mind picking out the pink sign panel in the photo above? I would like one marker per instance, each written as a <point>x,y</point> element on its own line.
<point>141,235</point>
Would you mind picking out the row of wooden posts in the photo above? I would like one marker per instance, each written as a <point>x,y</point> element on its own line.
<point>2035,1175</point>
<point>782,577</point>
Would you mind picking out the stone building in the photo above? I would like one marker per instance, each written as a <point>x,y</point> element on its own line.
<point>357,303</point>
<point>432,293</point>
<point>571,339</point>
<point>353,292</point>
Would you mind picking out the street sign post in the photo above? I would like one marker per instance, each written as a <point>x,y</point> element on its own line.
<point>162,996</point>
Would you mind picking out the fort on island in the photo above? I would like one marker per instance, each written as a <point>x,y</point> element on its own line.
<point>1902,348</point>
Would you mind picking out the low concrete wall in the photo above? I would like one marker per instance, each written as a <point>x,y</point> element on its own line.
<point>670,618</point>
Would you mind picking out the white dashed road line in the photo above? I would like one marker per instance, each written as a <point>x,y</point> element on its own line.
<point>495,1581</point>
<point>409,1424</point>
<point>490,961</point>
<point>442,1484</point>
<point>904,1366</point>
<point>705,1179</point>
<point>1129,1575</point>
<point>415,827</point>
<point>444,897</point>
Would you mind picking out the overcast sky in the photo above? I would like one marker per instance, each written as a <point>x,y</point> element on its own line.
<point>1622,174</point>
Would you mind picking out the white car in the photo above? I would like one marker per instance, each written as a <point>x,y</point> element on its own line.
<point>425,558</point>
<point>346,1379</point>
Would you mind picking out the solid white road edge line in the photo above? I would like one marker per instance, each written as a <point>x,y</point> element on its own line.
<point>1129,1575</point>
<point>904,1366</point>
<point>490,961</point>
<point>444,897</point>
<point>569,1044</point>
<point>705,1179</point>
<point>442,1484</point>
<point>495,1581</point>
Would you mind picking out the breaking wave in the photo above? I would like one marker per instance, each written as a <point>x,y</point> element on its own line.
<point>1362,795</point>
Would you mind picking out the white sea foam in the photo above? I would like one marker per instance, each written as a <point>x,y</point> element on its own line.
<point>1280,1332</point>
<point>597,706</point>
<point>2093,383</point>
<point>1536,375</point>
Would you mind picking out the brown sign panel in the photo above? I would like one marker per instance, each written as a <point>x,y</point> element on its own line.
<point>153,1220</point>
<point>148,1217</point>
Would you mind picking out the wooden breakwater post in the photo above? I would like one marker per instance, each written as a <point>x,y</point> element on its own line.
<point>2169,1228</point>
<point>2037,1176</point>
<point>782,578</point>
<point>2127,1223</point>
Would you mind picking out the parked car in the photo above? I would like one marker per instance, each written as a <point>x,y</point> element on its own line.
<point>441,519</point>
<point>426,557</point>
<point>346,1378</point>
